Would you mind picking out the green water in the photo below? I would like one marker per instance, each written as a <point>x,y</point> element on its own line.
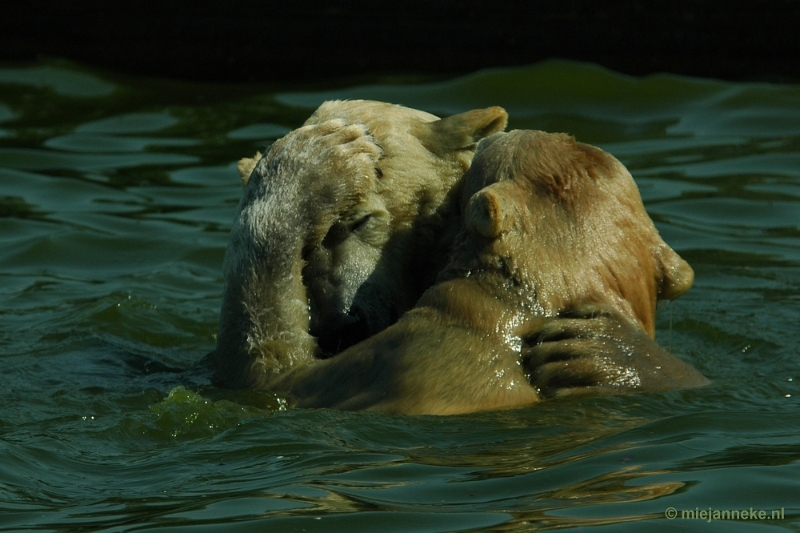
<point>116,198</point>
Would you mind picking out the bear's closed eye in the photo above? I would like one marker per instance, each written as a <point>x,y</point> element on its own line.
<point>360,223</point>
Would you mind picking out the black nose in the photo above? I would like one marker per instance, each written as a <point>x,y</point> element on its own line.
<point>341,331</point>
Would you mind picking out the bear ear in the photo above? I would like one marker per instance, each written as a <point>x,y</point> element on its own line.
<point>485,214</point>
<point>463,131</point>
<point>676,274</point>
<point>245,167</point>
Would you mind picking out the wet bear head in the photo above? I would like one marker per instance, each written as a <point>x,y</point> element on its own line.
<point>343,224</point>
<point>564,222</point>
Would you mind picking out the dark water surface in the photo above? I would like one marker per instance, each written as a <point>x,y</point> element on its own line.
<point>116,198</point>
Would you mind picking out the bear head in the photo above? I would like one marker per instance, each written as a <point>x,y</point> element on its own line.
<point>342,225</point>
<point>564,225</point>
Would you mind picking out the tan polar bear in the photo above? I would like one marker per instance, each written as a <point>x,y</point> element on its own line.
<point>342,226</point>
<point>551,289</point>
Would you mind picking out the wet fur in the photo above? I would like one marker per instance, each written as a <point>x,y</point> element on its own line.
<point>343,224</point>
<point>535,300</point>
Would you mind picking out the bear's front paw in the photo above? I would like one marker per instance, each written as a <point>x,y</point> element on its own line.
<point>334,149</point>
<point>582,350</point>
<point>574,365</point>
<point>593,348</point>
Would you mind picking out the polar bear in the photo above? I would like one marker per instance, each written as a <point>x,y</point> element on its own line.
<point>342,226</point>
<point>550,289</point>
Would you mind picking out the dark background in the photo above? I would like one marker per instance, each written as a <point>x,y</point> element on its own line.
<point>306,41</point>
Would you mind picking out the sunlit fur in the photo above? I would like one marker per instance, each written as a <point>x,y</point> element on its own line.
<point>299,263</point>
<point>548,225</point>
<point>577,212</point>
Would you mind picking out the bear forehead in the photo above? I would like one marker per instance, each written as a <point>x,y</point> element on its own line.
<point>395,128</point>
<point>551,166</point>
<point>369,112</point>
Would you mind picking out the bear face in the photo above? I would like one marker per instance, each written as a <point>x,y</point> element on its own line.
<point>531,303</point>
<point>342,225</point>
<point>382,253</point>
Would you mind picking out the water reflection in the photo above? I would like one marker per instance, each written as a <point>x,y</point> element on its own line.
<point>63,81</point>
<point>116,199</point>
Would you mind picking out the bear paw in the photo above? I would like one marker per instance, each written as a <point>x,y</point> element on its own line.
<point>328,153</point>
<point>593,348</point>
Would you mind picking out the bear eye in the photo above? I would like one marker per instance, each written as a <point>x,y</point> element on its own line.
<point>336,234</point>
<point>360,223</point>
